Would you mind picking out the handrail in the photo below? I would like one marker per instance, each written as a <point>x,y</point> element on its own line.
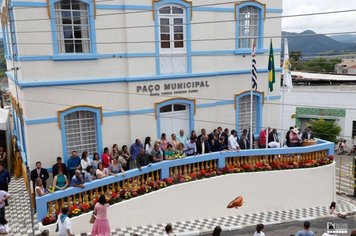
<point>164,169</point>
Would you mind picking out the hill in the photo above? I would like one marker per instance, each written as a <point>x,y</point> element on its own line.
<point>345,38</point>
<point>312,44</point>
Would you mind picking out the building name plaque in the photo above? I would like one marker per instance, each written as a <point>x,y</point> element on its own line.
<point>172,88</point>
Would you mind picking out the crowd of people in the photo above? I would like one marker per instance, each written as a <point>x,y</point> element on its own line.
<point>80,169</point>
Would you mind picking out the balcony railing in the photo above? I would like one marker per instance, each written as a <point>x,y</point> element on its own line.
<point>149,178</point>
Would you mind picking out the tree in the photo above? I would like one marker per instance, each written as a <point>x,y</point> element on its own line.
<point>321,65</point>
<point>295,55</point>
<point>326,130</point>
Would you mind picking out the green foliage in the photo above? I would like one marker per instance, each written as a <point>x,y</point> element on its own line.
<point>295,56</point>
<point>2,60</point>
<point>317,65</point>
<point>321,65</point>
<point>326,130</point>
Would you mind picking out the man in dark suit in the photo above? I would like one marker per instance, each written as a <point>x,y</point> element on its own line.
<point>226,135</point>
<point>59,165</point>
<point>287,135</point>
<point>203,145</point>
<point>308,134</point>
<point>203,134</point>
<point>244,143</point>
<point>41,173</point>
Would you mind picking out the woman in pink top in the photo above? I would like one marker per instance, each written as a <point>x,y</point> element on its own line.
<point>164,141</point>
<point>101,225</point>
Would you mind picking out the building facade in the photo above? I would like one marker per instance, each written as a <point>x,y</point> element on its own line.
<point>322,96</point>
<point>347,66</point>
<point>87,74</point>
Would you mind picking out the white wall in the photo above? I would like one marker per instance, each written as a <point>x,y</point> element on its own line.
<point>208,198</point>
<point>43,103</point>
<point>40,40</point>
<point>340,97</point>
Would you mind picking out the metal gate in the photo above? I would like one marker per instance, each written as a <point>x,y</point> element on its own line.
<point>346,175</point>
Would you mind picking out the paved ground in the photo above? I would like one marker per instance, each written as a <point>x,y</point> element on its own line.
<point>277,223</point>
<point>317,226</point>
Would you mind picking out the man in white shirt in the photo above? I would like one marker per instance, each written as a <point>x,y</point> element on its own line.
<point>181,138</point>
<point>233,145</point>
<point>64,223</point>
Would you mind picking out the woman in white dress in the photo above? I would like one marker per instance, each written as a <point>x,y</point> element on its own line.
<point>85,161</point>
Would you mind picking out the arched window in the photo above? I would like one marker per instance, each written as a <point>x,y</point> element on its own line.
<point>173,36</point>
<point>249,22</point>
<point>171,21</point>
<point>72,26</point>
<point>172,32</point>
<point>174,115</point>
<point>81,132</point>
<point>81,129</point>
<point>248,30</point>
<point>245,111</point>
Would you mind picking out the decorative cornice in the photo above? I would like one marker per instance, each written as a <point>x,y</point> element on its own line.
<point>186,1</point>
<point>172,99</point>
<point>248,92</point>
<point>252,1</point>
<point>78,106</point>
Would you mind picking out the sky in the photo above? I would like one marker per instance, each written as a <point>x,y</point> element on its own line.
<point>341,22</point>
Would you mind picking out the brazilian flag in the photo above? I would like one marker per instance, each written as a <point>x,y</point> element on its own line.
<point>271,70</point>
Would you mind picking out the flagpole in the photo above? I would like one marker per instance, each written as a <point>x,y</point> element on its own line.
<point>251,111</point>
<point>287,82</point>
<point>282,119</point>
<point>283,89</point>
<point>271,81</point>
<point>267,107</point>
<point>267,114</point>
<point>254,86</point>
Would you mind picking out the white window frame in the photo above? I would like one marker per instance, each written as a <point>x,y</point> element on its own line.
<point>172,108</point>
<point>245,24</point>
<point>81,117</point>
<point>85,27</point>
<point>171,17</point>
<point>245,103</point>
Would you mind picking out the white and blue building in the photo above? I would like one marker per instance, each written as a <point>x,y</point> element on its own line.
<point>86,74</point>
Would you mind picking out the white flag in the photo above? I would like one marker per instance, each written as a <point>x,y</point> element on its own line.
<point>287,77</point>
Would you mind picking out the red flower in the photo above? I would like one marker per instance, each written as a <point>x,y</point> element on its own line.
<point>84,207</point>
<point>225,170</point>
<point>203,172</point>
<point>141,190</point>
<point>48,220</point>
<point>331,157</point>
<point>74,207</point>
<point>133,193</point>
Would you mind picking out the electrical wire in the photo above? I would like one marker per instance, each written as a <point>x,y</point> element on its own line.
<point>153,115</point>
<point>190,23</point>
<point>193,40</point>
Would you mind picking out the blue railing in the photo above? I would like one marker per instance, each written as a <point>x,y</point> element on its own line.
<point>163,168</point>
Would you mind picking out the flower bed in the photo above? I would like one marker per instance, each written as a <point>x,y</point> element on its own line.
<point>125,194</point>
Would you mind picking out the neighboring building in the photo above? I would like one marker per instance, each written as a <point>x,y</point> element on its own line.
<point>90,74</point>
<point>327,96</point>
<point>347,66</point>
